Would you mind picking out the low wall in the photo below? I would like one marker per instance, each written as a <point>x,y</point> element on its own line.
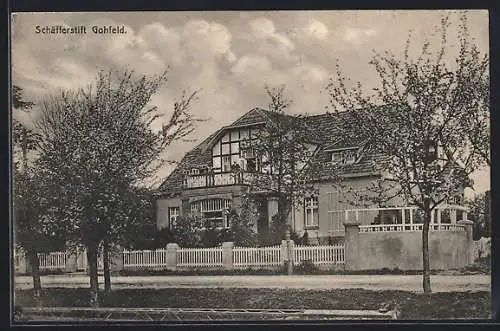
<point>403,249</point>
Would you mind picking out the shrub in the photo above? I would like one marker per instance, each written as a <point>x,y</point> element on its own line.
<point>306,267</point>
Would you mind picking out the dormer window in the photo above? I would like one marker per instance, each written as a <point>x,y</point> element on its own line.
<point>344,157</point>
<point>194,172</point>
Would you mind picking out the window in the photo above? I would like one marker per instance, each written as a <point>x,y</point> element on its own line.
<point>251,165</point>
<point>247,153</point>
<point>213,210</point>
<point>194,172</point>
<point>225,149</point>
<point>244,134</point>
<point>337,157</point>
<point>311,212</point>
<point>235,148</point>
<point>216,149</point>
<point>173,214</point>
<point>216,164</point>
<point>251,161</point>
<point>229,151</point>
<point>226,163</point>
<point>347,156</point>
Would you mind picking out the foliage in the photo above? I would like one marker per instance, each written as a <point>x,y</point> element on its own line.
<point>98,146</point>
<point>243,224</point>
<point>31,220</point>
<point>163,237</point>
<point>414,119</point>
<point>479,212</point>
<point>138,228</point>
<point>210,235</point>
<point>32,225</point>
<point>306,267</point>
<point>186,231</point>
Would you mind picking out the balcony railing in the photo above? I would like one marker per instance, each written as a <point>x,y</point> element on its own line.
<point>443,218</point>
<point>222,179</point>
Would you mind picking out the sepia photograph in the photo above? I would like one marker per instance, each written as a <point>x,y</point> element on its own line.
<point>249,166</point>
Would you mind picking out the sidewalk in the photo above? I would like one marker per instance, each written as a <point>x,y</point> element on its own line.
<point>439,283</point>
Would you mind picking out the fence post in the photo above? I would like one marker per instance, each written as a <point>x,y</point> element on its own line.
<point>116,263</point>
<point>287,252</point>
<point>470,242</point>
<point>351,253</point>
<point>22,266</point>
<point>71,262</point>
<point>172,256</point>
<point>227,255</point>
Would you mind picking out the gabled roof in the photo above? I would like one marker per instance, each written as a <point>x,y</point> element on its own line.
<point>327,130</point>
<point>256,116</point>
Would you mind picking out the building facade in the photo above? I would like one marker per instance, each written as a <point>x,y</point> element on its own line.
<point>204,183</point>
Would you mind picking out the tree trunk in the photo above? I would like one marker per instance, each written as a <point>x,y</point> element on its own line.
<point>426,279</point>
<point>24,151</point>
<point>94,282</point>
<point>106,263</point>
<point>35,272</point>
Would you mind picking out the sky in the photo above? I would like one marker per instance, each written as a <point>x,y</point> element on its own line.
<point>229,57</point>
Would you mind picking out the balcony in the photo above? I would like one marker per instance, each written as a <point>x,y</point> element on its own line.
<point>222,179</point>
<point>443,218</point>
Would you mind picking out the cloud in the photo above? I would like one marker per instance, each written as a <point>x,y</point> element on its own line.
<point>251,64</point>
<point>229,57</point>
<point>311,73</point>
<point>316,30</point>
<point>265,29</point>
<point>357,35</point>
<point>202,39</point>
<point>166,42</point>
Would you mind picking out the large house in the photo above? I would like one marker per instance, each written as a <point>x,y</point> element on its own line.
<point>204,181</point>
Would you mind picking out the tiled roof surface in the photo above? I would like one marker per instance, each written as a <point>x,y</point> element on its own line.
<point>251,117</point>
<point>326,129</point>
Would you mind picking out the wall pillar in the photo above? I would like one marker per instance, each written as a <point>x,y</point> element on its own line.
<point>185,208</point>
<point>116,260</point>
<point>470,241</point>
<point>351,246</point>
<point>453,216</point>
<point>227,255</point>
<point>287,256</point>
<point>71,264</point>
<point>172,256</point>
<point>22,265</point>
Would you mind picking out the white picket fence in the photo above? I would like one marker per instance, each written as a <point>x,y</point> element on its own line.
<point>242,257</point>
<point>245,257</point>
<point>82,262</point>
<point>199,257</point>
<point>319,254</point>
<point>147,259</point>
<point>52,261</point>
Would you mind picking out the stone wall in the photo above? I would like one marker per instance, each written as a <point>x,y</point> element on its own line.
<point>403,249</point>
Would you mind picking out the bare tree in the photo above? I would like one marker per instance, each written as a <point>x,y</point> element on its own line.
<point>284,148</point>
<point>98,144</point>
<point>415,117</point>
